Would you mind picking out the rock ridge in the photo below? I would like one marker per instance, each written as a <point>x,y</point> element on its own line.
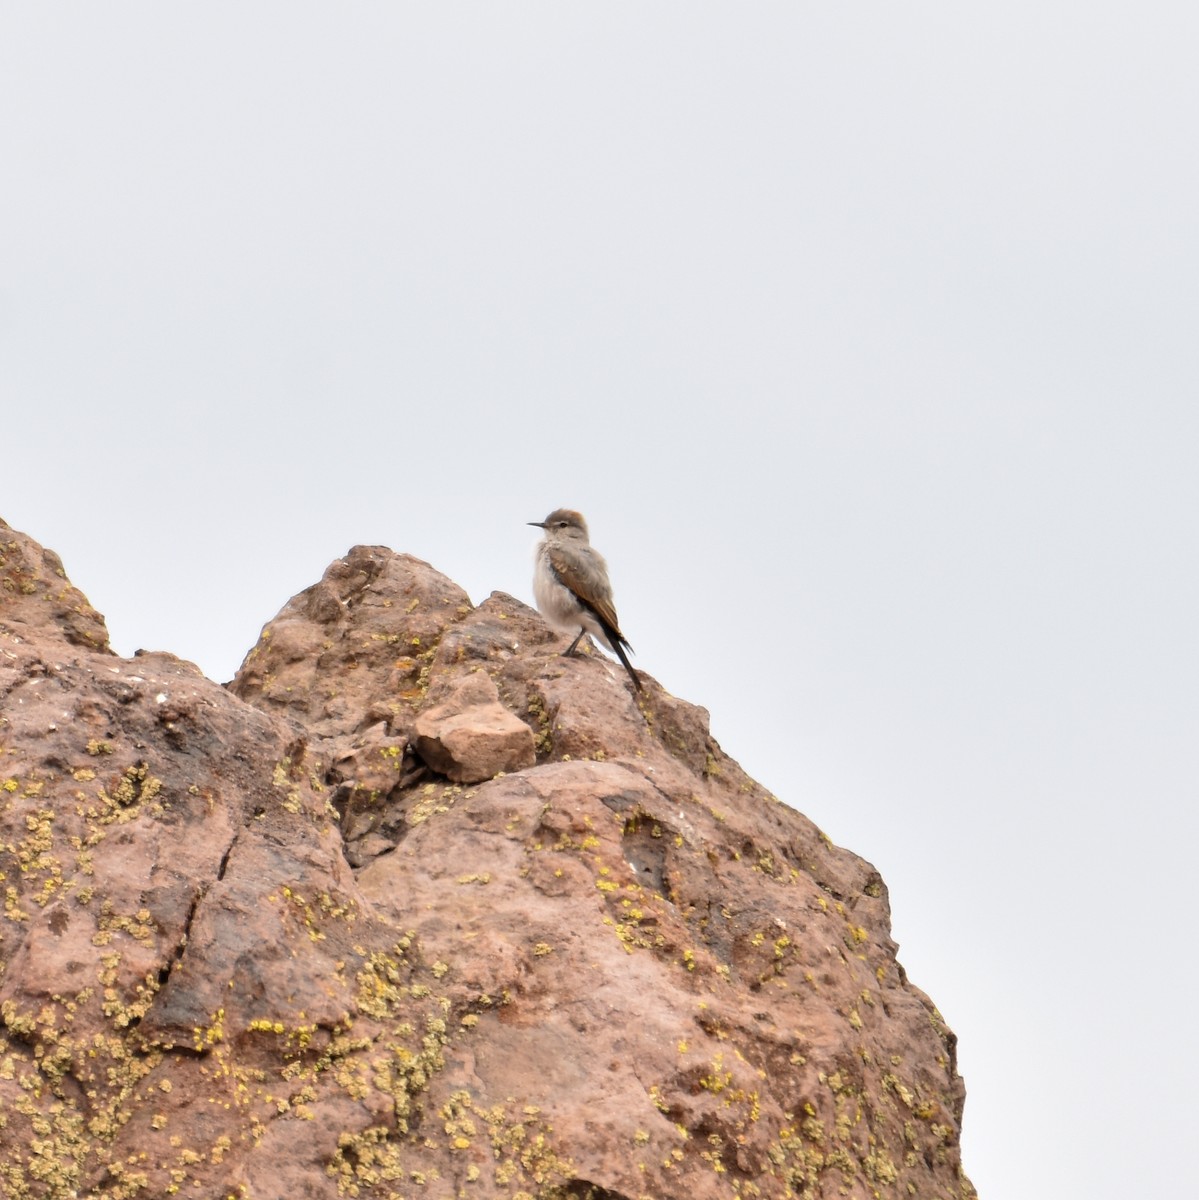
<point>414,907</point>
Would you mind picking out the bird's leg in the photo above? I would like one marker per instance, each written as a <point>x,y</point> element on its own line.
<point>570,650</point>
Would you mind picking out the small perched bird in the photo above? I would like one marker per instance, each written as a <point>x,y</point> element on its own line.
<point>570,585</point>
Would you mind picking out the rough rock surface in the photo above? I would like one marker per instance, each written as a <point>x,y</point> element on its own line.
<point>257,942</point>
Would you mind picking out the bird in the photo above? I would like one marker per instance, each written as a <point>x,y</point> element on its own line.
<point>570,585</point>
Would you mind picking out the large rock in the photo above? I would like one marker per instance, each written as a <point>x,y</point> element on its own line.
<point>262,943</point>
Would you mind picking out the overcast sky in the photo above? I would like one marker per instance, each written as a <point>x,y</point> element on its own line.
<point>864,336</point>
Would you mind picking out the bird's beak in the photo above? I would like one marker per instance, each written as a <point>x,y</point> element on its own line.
<point>539,524</point>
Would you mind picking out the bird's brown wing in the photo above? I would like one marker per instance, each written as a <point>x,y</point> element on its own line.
<point>570,575</point>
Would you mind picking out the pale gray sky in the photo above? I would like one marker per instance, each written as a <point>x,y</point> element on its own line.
<point>865,336</point>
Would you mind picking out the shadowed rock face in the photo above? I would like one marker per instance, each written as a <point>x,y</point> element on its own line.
<point>416,907</point>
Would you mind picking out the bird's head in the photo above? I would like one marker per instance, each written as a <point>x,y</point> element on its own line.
<point>563,523</point>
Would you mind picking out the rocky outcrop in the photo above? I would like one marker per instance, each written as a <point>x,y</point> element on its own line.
<point>416,907</point>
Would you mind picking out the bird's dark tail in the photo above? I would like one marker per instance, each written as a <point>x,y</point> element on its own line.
<point>619,644</point>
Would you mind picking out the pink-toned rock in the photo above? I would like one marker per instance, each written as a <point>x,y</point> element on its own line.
<point>269,946</point>
<point>470,736</point>
<point>354,648</point>
<point>38,597</point>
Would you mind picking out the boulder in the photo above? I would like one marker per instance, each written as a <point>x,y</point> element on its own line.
<point>416,907</point>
